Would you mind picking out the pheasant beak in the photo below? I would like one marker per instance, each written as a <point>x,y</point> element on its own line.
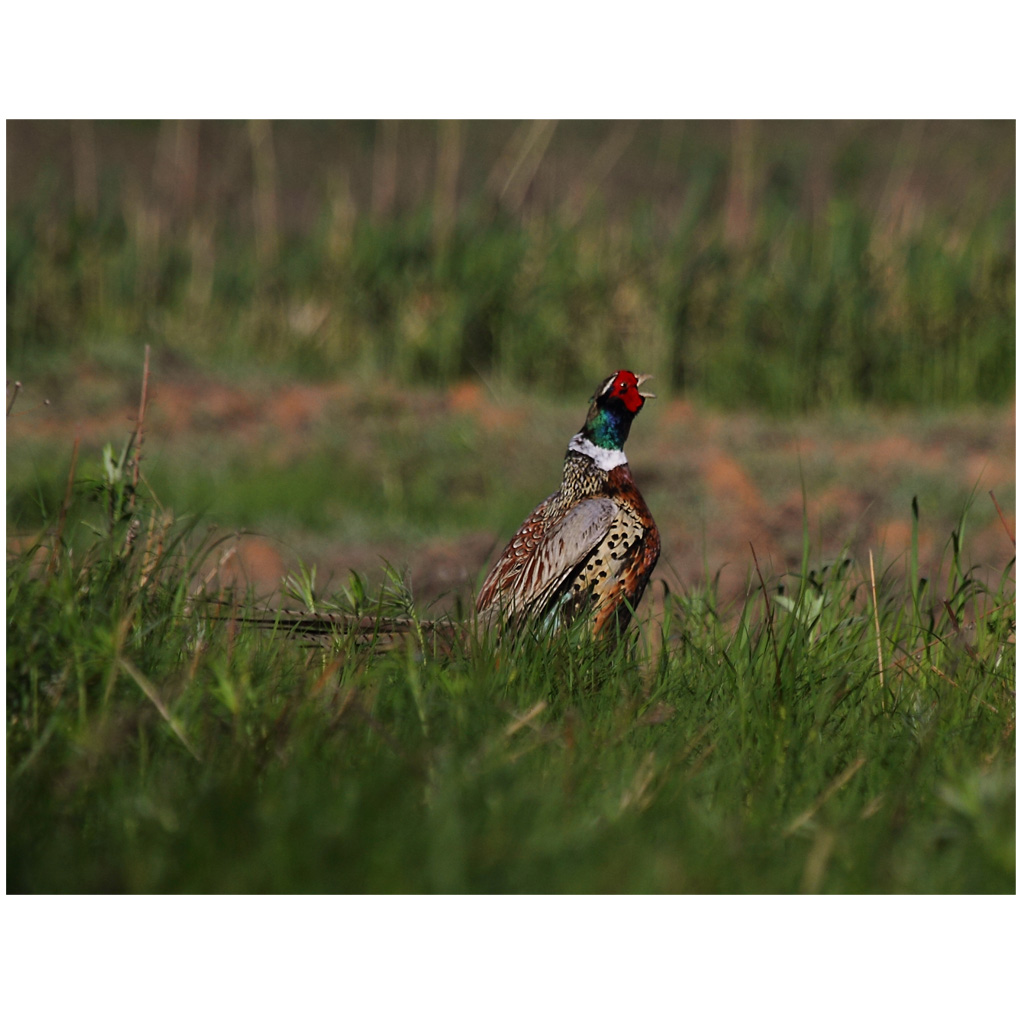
<point>640,380</point>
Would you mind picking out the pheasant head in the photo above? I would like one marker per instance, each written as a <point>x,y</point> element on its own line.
<point>617,400</point>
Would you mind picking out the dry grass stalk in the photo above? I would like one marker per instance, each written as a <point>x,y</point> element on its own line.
<point>449,159</point>
<point>771,627</point>
<point>1002,519</point>
<point>878,628</point>
<point>510,179</point>
<point>837,784</point>
<point>264,191</point>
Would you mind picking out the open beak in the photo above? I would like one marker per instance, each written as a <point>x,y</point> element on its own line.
<point>641,378</point>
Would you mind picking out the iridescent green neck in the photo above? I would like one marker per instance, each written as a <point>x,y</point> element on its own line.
<point>606,428</point>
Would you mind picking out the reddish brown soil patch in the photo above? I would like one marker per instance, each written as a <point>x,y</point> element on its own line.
<point>719,485</point>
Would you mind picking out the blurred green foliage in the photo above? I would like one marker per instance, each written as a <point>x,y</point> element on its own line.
<point>781,266</point>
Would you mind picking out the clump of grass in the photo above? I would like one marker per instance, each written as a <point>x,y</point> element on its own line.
<point>847,732</point>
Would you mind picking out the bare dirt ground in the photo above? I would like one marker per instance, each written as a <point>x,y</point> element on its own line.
<point>721,486</point>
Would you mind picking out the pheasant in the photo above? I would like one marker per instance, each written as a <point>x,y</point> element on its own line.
<point>590,547</point>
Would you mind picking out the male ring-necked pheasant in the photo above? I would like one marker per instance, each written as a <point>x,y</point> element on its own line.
<point>590,547</point>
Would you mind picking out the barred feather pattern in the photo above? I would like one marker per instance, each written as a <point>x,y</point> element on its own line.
<point>593,543</point>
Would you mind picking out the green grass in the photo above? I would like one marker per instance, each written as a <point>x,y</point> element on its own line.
<point>152,747</point>
<point>356,473</point>
<point>747,746</point>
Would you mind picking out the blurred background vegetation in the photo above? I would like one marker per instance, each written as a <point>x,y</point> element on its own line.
<point>781,266</point>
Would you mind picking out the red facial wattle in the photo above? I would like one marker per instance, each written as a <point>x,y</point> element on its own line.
<point>626,388</point>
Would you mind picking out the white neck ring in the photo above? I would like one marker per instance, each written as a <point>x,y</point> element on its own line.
<point>604,458</point>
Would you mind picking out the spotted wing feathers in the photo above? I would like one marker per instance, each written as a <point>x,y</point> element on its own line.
<point>542,556</point>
